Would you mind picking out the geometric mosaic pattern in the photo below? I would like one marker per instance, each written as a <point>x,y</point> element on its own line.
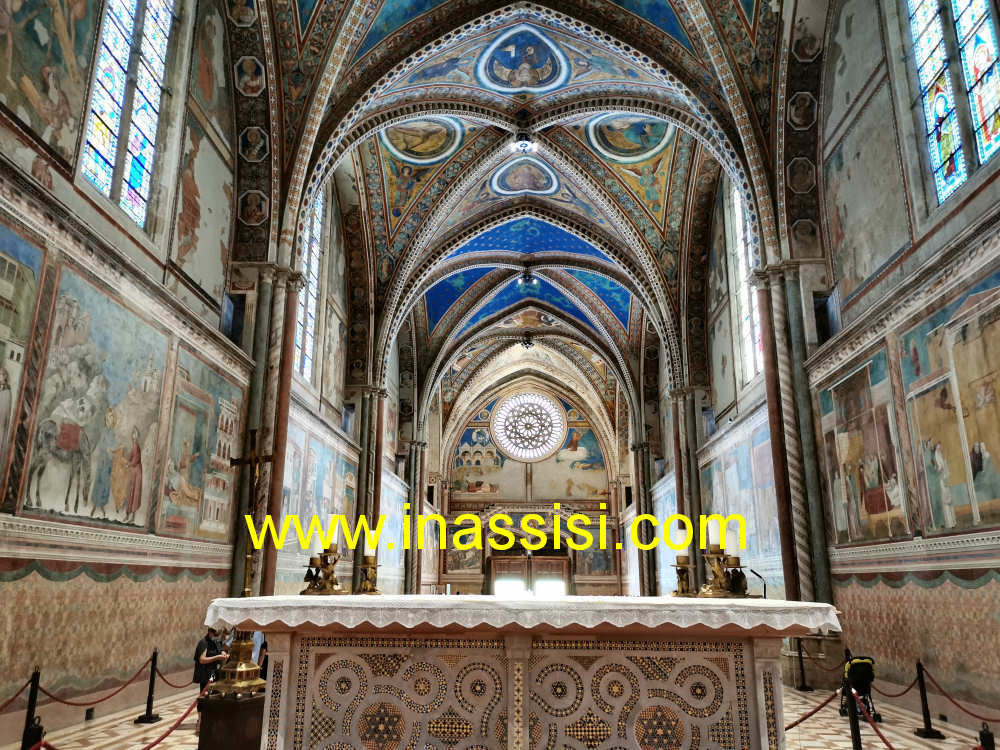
<point>395,693</point>
<point>824,731</point>
<point>640,694</point>
<point>399,693</point>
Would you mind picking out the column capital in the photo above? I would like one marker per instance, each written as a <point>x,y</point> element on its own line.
<point>640,447</point>
<point>296,281</point>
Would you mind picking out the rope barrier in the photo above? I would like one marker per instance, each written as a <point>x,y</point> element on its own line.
<point>957,705</point>
<point>809,714</point>
<point>14,696</point>
<point>868,718</point>
<point>176,687</point>
<point>46,746</point>
<point>825,669</point>
<point>896,695</point>
<point>180,719</point>
<point>78,704</point>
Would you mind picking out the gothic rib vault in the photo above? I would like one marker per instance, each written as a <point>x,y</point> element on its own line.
<point>516,170</point>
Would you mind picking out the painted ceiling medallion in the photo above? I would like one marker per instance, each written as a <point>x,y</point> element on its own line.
<point>522,61</point>
<point>525,175</point>
<point>428,140</point>
<point>628,139</point>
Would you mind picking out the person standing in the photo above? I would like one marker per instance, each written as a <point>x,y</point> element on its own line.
<point>208,655</point>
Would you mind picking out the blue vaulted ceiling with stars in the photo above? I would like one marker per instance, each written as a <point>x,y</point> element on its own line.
<point>525,170</point>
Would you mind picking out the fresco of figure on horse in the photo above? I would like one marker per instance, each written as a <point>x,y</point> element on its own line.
<point>92,453</point>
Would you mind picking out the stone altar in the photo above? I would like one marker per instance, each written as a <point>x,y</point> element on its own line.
<point>482,673</point>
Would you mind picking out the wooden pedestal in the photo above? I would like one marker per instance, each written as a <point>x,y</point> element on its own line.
<point>228,723</point>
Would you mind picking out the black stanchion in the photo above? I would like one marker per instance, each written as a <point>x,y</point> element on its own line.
<point>149,717</point>
<point>986,739</point>
<point>33,730</point>
<point>852,714</point>
<point>803,686</point>
<point>926,731</point>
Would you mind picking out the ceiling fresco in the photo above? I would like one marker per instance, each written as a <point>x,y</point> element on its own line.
<point>395,14</point>
<point>528,236</point>
<point>638,150</point>
<point>612,294</point>
<point>442,296</point>
<point>412,155</point>
<point>518,291</point>
<point>405,179</point>
<point>522,176</point>
<point>625,107</point>
<point>521,61</point>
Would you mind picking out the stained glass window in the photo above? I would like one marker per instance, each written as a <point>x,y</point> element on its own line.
<point>131,65</point>
<point>944,141</point>
<point>977,40</point>
<point>305,325</point>
<point>528,426</point>
<point>750,346</point>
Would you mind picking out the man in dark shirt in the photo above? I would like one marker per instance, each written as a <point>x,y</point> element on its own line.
<point>208,655</point>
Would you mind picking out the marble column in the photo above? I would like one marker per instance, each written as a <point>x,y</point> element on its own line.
<point>822,585</point>
<point>647,558</point>
<point>287,364</point>
<point>786,531</point>
<point>675,417</point>
<point>255,403</point>
<point>364,458</point>
<point>639,486</point>
<point>793,444</point>
<point>411,556</point>
<point>693,483</point>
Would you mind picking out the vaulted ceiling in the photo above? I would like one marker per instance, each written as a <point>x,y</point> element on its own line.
<point>517,179</point>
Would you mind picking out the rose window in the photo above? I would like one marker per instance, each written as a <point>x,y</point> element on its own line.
<point>529,426</point>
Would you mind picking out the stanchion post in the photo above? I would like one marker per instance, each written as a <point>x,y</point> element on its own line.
<point>803,686</point>
<point>986,739</point>
<point>852,715</point>
<point>926,731</point>
<point>33,731</point>
<point>149,717</point>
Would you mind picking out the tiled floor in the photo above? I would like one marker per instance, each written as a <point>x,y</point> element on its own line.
<point>118,732</point>
<point>827,730</point>
<point>824,731</point>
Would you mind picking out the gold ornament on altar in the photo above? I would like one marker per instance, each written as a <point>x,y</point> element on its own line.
<point>369,575</point>
<point>728,580</point>
<point>320,577</point>
<point>240,675</point>
<point>684,568</point>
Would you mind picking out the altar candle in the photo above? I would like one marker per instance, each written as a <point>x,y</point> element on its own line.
<point>714,530</point>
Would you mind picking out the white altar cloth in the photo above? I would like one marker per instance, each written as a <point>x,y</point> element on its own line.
<point>481,673</point>
<point>470,612</point>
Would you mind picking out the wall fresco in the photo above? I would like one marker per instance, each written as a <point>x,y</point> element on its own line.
<point>196,498</point>
<point>45,67</point>
<point>210,70</point>
<point>20,273</point>
<point>862,463</point>
<point>865,196</point>
<point>737,476</point>
<point>204,213</point>
<point>950,375</point>
<point>94,445</point>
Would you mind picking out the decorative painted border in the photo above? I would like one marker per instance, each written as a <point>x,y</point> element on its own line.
<point>979,550</point>
<point>931,580</point>
<point>114,573</point>
<point>39,539</point>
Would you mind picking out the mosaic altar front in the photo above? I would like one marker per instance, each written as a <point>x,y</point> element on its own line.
<point>520,692</point>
